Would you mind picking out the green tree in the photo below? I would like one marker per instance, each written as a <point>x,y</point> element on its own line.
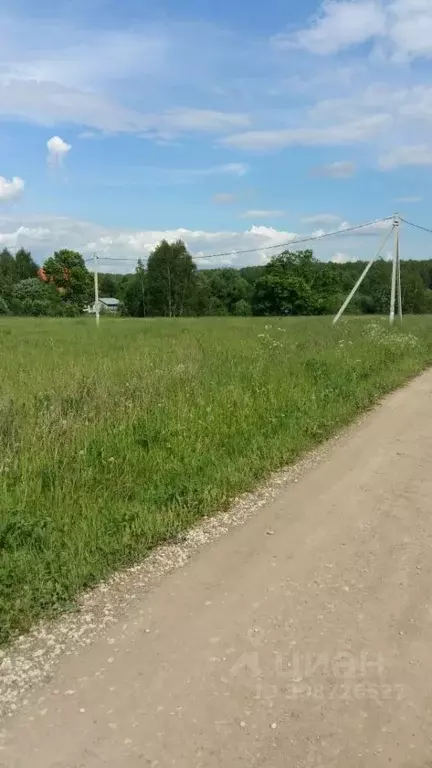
<point>201,295</point>
<point>15,307</point>
<point>142,279</point>
<point>413,290</point>
<point>375,289</point>
<point>69,309</point>
<point>427,301</point>
<point>171,280</point>
<point>242,308</point>
<point>252,274</point>
<point>229,287</point>
<point>134,293</point>
<point>25,267</point>
<point>216,307</point>
<point>111,285</point>
<point>108,285</point>
<point>8,274</point>
<point>32,288</point>
<point>289,286</point>
<point>67,270</point>
<point>36,307</point>
<point>4,309</point>
<point>43,297</point>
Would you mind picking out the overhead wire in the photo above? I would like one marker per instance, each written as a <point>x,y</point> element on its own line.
<point>297,241</point>
<point>289,243</point>
<point>416,226</point>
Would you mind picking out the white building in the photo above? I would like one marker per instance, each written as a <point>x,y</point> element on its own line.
<point>105,305</point>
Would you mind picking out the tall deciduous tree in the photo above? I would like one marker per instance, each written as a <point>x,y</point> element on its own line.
<point>67,270</point>
<point>8,274</point>
<point>32,288</point>
<point>229,287</point>
<point>289,286</point>
<point>171,277</point>
<point>135,294</point>
<point>24,265</point>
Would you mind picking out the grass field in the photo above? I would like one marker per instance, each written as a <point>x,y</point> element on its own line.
<point>116,439</point>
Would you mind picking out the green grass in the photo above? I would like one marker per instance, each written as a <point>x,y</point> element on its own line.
<point>116,439</point>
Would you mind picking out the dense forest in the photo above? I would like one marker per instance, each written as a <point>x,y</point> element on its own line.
<point>170,285</point>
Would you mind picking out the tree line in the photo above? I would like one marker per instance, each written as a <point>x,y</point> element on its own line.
<point>170,285</point>
<point>292,283</point>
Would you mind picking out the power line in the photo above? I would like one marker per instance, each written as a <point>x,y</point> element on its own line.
<point>311,238</point>
<point>297,241</point>
<point>416,226</point>
<point>112,258</point>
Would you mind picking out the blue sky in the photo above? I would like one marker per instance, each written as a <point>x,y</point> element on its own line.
<point>231,125</point>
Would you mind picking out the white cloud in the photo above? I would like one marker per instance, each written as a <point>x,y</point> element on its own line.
<point>414,155</point>
<point>341,258</point>
<point>51,103</point>
<point>411,28</point>
<point>9,190</point>
<point>327,135</point>
<point>401,29</point>
<point>341,25</point>
<point>76,56</point>
<point>57,151</point>
<point>152,59</point>
<point>44,234</point>
<point>24,236</point>
<point>263,214</point>
<point>56,73</point>
<point>202,244</point>
<point>237,169</point>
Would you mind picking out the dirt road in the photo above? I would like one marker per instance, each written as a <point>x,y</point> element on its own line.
<point>302,638</point>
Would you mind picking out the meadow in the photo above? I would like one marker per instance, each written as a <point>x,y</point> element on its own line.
<point>115,439</point>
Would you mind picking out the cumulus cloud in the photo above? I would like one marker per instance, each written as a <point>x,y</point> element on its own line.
<point>402,28</point>
<point>341,25</point>
<point>341,258</point>
<point>57,151</point>
<point>30,236</point>
<point>202,244</point>
<point>44,234</point>
<point>9,190</point>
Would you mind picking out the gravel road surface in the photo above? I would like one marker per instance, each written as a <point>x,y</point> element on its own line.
<point>302,637</point>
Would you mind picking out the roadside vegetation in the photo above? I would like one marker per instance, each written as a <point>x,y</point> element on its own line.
<point>115,439</point>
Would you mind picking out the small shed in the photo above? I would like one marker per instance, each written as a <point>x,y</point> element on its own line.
<point>105,305</point>
<point>111,305</point>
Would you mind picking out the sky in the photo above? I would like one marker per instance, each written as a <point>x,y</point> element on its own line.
<point>230,125</point>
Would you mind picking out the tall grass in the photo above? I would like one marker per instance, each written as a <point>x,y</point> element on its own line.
<point>115,439</point>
